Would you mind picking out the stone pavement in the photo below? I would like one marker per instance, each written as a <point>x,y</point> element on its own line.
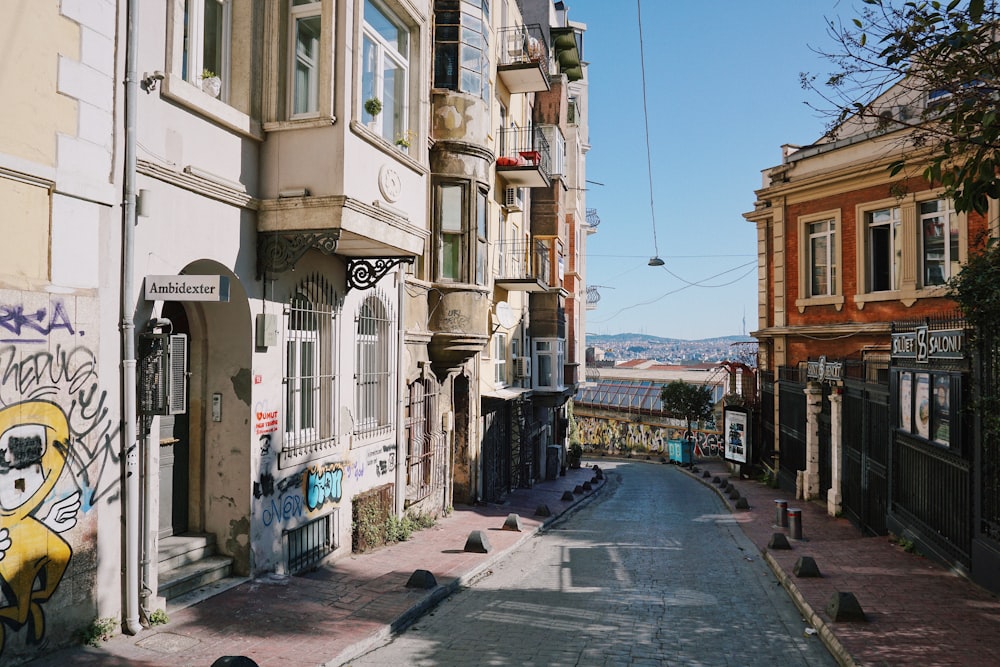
<point>916,612</point>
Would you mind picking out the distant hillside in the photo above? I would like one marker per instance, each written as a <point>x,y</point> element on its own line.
<point>606,339</point>
<point>627,346</point>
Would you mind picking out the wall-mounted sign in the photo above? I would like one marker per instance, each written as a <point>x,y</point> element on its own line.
<point>737,436</point>
<point>823,370</point>
<point>187,288</point>
<point>923,345</point>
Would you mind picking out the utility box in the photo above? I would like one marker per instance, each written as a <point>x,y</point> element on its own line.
<point>679,451</point>
<point>162,376</point>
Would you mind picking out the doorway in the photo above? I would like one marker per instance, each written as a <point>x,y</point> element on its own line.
<point>175,450</point>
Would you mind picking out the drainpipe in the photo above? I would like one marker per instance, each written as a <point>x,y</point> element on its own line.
<point>401,462</point>
<point>129,443</point>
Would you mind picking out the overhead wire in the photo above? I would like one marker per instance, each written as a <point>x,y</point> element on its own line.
<point>645,114</point>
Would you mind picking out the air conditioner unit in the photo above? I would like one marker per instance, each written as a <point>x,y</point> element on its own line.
<point>512,202</point>
<point>163,360</point>
<point>522,367</point>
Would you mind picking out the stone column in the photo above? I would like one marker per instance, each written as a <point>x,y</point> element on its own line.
<point>834,499</point>
<point>810,480</point>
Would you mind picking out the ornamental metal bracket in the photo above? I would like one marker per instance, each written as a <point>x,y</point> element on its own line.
<point>364,272</point>
<point>279,251</point>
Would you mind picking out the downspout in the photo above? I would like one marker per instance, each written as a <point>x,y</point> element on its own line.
<point>131,453</point>
<point>401,462</point>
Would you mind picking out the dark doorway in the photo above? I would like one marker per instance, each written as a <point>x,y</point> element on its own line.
<point>174,442</point>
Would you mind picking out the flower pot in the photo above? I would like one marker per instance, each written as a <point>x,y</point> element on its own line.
<point>212,85</point>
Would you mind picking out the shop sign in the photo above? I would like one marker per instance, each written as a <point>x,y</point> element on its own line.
<point>823,370</point>
<point>187,288</point>
<point>923,345</point>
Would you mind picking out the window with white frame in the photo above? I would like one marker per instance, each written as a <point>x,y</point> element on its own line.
<point>305,24</point>
<point>450,207</point>
<point>385,71</point>
<point>550,356</point>
<point>822,257</point>
<point>500,358</point>
<point>374,364</point>
<point>207,42</point>
<point>885,249</point>
<point>939,242</point>
<point>309,368</point>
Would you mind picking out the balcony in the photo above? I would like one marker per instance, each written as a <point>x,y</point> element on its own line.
<point>523,266</point>
<point>524,158</point>
<point>523,59</point>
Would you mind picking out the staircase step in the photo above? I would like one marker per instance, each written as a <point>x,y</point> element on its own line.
<point>178,550</point>
<point>185,578</point>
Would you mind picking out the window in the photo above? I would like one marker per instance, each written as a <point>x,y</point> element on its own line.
<point>461,40</point>
<point>450,205</point>
<point>482,210</point>
<point>306,27</point>
<point>885,247</point>
<point>500,358</point>
<point>550,356</point>
<point>822,257</point>
<point>372,377</point>
<point>309,370</point>
<point>207,41</point>
<point>385,70</point>
<point>940,242</point>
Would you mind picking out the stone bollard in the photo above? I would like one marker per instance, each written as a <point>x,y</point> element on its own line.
<point>781,513</point>
<point>795,523</point>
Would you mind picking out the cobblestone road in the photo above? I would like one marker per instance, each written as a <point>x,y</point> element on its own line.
<point>654,572</point>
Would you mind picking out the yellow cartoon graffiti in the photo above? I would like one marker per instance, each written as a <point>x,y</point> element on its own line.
<point>33,557</point>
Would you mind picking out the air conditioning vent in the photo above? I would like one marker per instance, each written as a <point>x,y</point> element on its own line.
<point>512,200</point>
<point>522,367</point>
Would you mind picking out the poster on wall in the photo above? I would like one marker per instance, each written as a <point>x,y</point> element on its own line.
<point>737,435</point>
<point>940,415</point>
<point>906,402</point>
<point>921,397</point>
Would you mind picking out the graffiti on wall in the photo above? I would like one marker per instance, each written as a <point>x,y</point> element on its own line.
<point>34,438</point>
<point>324,484</point>
<point>59,457</point>
<point>623,436</point>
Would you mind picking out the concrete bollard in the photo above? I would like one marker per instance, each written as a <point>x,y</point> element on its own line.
<point>795,524</point>
<point>781,513</point>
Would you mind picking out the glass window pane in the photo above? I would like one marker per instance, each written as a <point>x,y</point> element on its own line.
<point>306,80</point>
<point>820,286</point>
<point>212,44</point>
<point>451,257</point>
<point>451,208</point>
<point>380,22</point>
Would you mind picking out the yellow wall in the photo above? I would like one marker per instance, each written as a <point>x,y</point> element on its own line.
<point>32,35</point>
<point>24,221</point>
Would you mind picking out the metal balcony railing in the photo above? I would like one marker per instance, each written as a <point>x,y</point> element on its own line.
<point>524,157</point>
<point>522,44</point>
<point>592,218</point>
<point>523,260</point>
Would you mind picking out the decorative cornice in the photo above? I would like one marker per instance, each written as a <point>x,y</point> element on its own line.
<point>279,251</point>
<point>464,148</point>
<point>826,331</point>
<point>197,185</point>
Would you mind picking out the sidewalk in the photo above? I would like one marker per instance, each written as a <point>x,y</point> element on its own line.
<point>338,612</point>
<point>917,613</point>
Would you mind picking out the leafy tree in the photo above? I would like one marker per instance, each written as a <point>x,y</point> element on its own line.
<point>689,402</point>
<point>938,61</point>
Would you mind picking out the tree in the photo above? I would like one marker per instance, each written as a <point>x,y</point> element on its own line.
<point>689,402</point>
<point>929,66</point>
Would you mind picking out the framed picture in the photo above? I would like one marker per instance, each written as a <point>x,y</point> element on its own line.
<point>922,404</point>
<point>941,410</point>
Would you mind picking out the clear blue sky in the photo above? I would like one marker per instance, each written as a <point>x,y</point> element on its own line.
<point>723,95</point>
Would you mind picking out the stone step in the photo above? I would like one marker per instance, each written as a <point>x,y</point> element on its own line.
<point>178,550</point>
<point>177,581</point>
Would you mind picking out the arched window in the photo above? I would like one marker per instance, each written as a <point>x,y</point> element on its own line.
<point>309,369</point>
<point>374,363</point>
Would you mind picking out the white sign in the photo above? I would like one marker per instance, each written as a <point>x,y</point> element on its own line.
<point>187,288</point>
<point>737,436</point>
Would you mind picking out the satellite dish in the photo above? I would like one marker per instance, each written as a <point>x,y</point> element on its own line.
<point>506,317</point>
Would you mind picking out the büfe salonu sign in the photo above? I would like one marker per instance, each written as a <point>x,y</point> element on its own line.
<point>923,345</point>
<point>187,288</point>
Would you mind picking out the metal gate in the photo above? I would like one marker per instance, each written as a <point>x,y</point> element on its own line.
<point>496,450</point>
<point>867,436</point>
<point>792,429</point>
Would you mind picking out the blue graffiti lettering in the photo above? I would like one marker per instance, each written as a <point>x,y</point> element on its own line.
<point>14,319</point>
<point>324,485</point>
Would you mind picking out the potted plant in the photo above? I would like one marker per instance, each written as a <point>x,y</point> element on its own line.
<point>373,106</point>
<point>211,83</point>
<point>575,455</point>
<point>403,140</point>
